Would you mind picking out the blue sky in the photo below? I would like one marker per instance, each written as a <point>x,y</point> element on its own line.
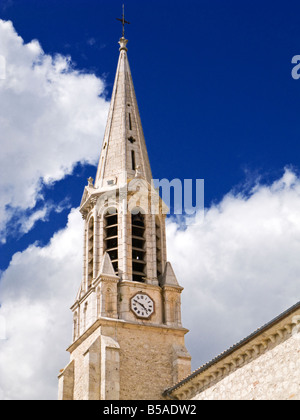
<point>213,82</point>
<point>217,101</point>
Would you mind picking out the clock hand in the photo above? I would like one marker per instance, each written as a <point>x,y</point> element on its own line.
<point>141,305</point>
<point>144,307</point>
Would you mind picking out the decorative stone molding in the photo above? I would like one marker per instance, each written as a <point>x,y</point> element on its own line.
<point>88,205</point>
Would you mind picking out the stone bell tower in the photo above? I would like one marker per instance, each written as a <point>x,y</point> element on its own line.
<point>128,340</point>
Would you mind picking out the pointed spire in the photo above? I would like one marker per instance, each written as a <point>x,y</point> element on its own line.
<point>124,148</point>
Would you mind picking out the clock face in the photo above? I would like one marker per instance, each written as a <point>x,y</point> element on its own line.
<point>142,305</point>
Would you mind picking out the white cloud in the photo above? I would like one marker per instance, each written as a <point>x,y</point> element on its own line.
<point>23,221</point>
<point>36,292</point>
<point>240,268</point>
<point>51,117</point>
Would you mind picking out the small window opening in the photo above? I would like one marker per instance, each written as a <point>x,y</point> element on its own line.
<point>131,139</point>
<point>133,160</point>
<point>130,122</point>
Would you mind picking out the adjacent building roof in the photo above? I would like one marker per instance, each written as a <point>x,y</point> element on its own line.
<point>235,348</point>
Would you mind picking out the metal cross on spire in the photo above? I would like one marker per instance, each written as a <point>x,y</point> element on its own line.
<point>123,21</point>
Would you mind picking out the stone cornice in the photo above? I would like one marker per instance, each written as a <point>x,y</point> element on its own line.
<point>262,340</point>
<point>101,322</point>
<point>106,278</point>
<point>139,286</point>
<point>172,288</point>
<point>89,204</point>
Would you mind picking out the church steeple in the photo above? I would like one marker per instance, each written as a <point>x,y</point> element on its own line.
<point>128,339</point>
<point>124,148</point>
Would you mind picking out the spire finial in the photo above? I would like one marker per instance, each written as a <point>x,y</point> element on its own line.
<point>123,22</point>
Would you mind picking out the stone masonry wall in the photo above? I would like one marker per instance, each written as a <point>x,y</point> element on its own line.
<point>274,375</point>
<point>151,359</point>
<point>148,361</point>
